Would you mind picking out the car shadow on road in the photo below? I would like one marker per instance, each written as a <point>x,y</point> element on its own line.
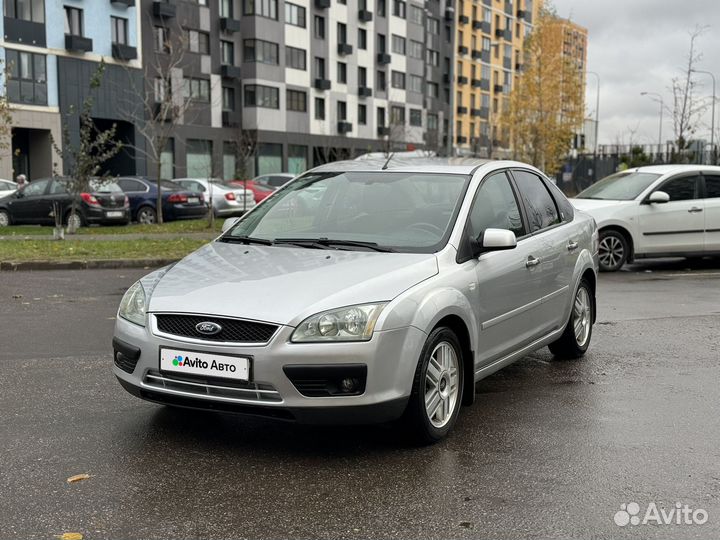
<point>679,264</point>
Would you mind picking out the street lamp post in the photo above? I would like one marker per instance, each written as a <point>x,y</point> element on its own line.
<point>662,106</point>
<point>712,120</point>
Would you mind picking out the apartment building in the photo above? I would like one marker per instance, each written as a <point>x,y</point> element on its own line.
<point>490,35</point>
<point>50,49</point>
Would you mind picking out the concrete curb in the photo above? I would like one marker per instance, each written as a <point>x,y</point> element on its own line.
<point>11,266</point>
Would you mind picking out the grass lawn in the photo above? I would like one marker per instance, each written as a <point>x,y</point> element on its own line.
<point>186,226</point>
<point>71,250</point>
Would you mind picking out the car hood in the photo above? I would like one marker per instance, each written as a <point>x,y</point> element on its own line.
<point>284,285</point>
<point>588,205</point>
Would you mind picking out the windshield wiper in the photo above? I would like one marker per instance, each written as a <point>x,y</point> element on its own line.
<point>245,240</point>
<point>328,243</point>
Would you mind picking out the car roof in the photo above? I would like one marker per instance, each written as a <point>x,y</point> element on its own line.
<point>452,165</point>
<point>674,168</point>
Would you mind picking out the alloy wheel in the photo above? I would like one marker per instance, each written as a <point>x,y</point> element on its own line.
<point>611,251</point>
<point>582,316</point>
<point>4,219</point>
<point>74,222</point>
<point>146,217</point>
<point>442,384</point>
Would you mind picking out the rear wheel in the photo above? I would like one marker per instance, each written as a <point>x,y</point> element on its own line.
<point>575,340</point>
<point>146,215</point>
<point>4,218</point>
<point>613,250</point>
<point>74,220</point>
<point>437,388</point>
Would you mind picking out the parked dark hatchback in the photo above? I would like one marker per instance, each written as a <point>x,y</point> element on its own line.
<point>103,204</point>
<point>177,202</point>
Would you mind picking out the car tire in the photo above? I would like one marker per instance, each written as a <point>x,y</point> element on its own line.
<point>575,340</point>
<point>614,250</point>
<point>146,215</point>
<point>5,218</point>
<point>437,388</point>
<point>77,217</point>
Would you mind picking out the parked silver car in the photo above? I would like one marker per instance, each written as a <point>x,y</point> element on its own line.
<point>227,199</point>
<point>388,295</point>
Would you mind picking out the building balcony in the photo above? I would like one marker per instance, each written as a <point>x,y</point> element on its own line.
<point>122,4</point>
<point>462,49</point>
<point>383,131</point>
<point>462,110</point>
<point>230,118</point>
<point>486,27</point>
<point>25,32</point>
<point>507,63</point>
<point>475,83</point>
<point>322,4</point>
<point>365,15</point>
<point>498,88</point>
<point>123,52</point>
<point>476,54</point>
<point>383,58</point>
<point>482,112</point>
<point>322,84</point>
<point>519,67</point>
<point>449,15</point>
<point>229,25</point>
<point>344,127</point>
<point>503,33</point>
<point>463,19</point>
<point>462,79</point>
<point>79,44</point>
<point>230,72</point>
<point>164,112</point>
<point>344,49</point>
<point>477,25</point>
<point>164,10</point>
<point>460,139</point>
<point>364,91</point>
<point>521,13</point>
<point>508,7</point>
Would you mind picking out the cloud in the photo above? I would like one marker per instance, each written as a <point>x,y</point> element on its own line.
<point>639,46</point>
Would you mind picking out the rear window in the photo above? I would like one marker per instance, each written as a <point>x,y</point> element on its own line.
<point>104,186</point>
<point>168,185</point>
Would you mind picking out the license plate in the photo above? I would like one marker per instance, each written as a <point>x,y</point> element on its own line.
<point>205,364</point>
<point>114,214</point>
<point>193,200</point>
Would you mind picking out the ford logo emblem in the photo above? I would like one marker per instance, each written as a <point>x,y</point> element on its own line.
<point>208,328</point>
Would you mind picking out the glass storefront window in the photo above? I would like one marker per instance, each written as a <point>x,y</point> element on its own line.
<point>199,158</point>
<point>269,159</point>
<point>297,159</point>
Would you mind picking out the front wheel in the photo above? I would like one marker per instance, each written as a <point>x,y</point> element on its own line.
<point>575,340</point>
<point>4,218</point>
<point>74,221</point>
<point>146,216</point>
<point>437,388</point>
<point>613,250</point>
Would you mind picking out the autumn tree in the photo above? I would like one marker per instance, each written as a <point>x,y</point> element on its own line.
<point>546,103</point>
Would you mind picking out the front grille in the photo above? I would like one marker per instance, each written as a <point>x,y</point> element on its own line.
<point>233,330</point>
<point>202,387</point>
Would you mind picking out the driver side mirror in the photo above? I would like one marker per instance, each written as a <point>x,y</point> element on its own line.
<point>229,223</point>
<point>494,240</point>
<point>659,197</point>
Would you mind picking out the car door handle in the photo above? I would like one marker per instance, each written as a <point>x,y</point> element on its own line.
<point>572,246</point>
<point>695,210</point>
<point>532,261</point>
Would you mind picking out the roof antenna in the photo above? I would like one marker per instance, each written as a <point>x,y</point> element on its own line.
<point>384,167</point>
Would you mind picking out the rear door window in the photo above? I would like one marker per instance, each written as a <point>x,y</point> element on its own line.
<point>712,186</point>
<point>35,188</point>
<point>129,184</point>
<point>539,204</point>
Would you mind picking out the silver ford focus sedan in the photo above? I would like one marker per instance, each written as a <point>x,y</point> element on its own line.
<point>366,291</point>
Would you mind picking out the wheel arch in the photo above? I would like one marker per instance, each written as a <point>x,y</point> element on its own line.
<point>458,326</point>
<point>626,233</point>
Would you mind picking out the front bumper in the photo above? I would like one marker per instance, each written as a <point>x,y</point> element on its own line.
<point>390,358</point>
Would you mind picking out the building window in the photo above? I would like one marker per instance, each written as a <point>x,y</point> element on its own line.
<point>362,114</point>
<point>381,81</point>
<point>319,67</point>
<point>267,97</point>
<point>397,115</point>
<point>432,89</point>
<point>118,30</point>
<point>261,8</point>
<point>229,161</point>
<point>228,95</point>
<point>381,43</point>
<point>161,38</point>
<point>167,161</point>
<point>341,111</point>
<point>399,8</point>
<point>319,27</point>
<point>416,14</point>
<point>432,122</point>
<point>433,57</point>
<point>294,15</point>
<point>416,84</point>
<point>416,49</point>
<point>341,33</point>
<point>362,76</point>
<point>381,116</point>
<point>197,89</point>
<point>416,117</point>
<point>26,77</point>
<point>432,25</point>
<point>295,58</point>
<point>398,44</point>
<point>342,72</point>
<point>269,158</point>
<point>362,39</point>
<point>296,101</point>
<point>226,9</point>
<point>25,10</point>
<point>227,52</point>
<point>381,8</point>
<point>198,42</point>
<point>398,80</point>
<point>199,158</point>
<point>297,158</point>
<point>264,52</point>
<point>319,108</point>
<point>73,21</point>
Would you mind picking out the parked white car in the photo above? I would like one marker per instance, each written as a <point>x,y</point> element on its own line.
<point>656,211</point>
<point>7,187</point>
<point>227,199</point>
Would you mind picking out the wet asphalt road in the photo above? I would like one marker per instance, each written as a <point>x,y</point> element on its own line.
<point>550,448</point>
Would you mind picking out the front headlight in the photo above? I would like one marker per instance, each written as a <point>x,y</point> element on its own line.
<point>133,305</point>
<point>354,323</point>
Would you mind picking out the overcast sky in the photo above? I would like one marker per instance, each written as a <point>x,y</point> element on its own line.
<point>640,45</point>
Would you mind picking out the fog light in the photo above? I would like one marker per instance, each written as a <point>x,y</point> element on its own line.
<point>348,385</point>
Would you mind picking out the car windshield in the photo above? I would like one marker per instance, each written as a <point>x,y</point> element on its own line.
<point>622,186</point>
<point>411,212</point>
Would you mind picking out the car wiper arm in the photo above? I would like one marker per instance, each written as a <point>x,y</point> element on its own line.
<point>329,242</point>
<point>245,240</point>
